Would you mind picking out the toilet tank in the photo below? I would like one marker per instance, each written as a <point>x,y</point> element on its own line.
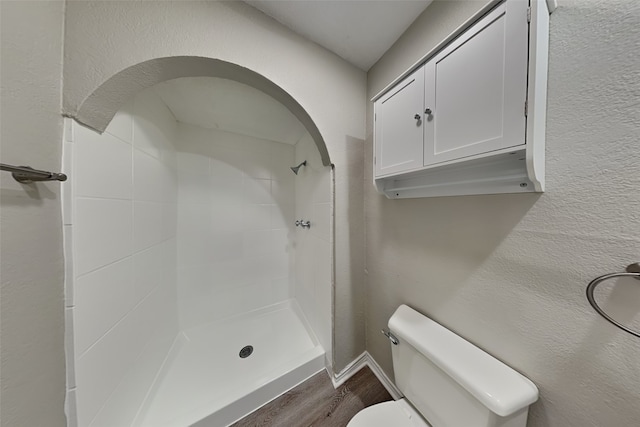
<point>452,382</point>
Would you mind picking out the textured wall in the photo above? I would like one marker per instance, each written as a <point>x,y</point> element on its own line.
<point>103,38</point>
<point>508,272</point>
<point>348,294</point>
<point>31,269</point>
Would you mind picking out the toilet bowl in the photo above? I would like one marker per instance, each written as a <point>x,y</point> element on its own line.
<point>446,381</point>
<point>398,413</point>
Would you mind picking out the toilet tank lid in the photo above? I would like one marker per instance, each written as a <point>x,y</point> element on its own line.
<point>497,386</point>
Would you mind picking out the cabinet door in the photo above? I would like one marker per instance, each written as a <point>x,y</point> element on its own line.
<point>398,127</point>
<point>476,88</point>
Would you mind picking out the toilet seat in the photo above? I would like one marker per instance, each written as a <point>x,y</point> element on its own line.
<point>388,414</point>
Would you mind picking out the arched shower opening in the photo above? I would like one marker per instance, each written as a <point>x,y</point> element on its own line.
<point>197,298</point>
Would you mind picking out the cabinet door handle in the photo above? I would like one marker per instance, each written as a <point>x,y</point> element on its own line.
<point>428,111</point>
<point>417,117</point>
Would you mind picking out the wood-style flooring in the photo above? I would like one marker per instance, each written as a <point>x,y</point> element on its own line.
<point>316,403</point>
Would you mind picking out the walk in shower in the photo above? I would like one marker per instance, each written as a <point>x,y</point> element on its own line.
<point>192,295</point>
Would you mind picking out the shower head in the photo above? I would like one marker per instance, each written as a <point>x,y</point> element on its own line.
<point>295,169</point>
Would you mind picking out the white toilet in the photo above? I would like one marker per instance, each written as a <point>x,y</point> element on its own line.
<point>447,381</point>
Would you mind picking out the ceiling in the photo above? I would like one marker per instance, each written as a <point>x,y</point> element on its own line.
<point>359,31</point>
<point>227,105</point>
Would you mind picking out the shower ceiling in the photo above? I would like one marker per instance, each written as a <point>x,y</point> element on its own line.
<point>227,105</point>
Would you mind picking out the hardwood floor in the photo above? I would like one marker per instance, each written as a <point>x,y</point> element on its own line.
<point>316,403</point>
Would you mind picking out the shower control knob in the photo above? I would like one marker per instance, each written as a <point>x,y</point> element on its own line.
<point>302,223</point>
<point>417,117</point>
<point>428,111</point>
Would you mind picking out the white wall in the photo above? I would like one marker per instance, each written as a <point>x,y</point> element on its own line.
<point>31,262</point>
<point>235,223</point>
<point>508,272</point>
<point>98,45</point>
<point>313,269</point>
<point>120,227</point>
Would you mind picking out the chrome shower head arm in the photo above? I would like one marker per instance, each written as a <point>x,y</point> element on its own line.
<point>295,169</point>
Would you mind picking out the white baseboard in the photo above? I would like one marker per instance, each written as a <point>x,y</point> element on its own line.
<point>360,362</point>
<point>349,370</point>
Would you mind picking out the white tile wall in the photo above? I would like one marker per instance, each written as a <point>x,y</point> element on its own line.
<point>235,223</point>
<point>121,259</point>
<point>156,316</point>
<point>103,232</point>
<point>148,224</point>
<point>121,125</point>
<point>154,126</point>
<point>103,165</point>
<point>150,179</point>
<point>103,297</point>
<point>101,369</point>
<point>150,269</point>
<point>313,268</point>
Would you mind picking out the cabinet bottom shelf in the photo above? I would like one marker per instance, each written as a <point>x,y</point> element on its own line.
<point>504,173</point>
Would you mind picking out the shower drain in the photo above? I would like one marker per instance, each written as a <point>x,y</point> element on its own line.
<point>246,351</point>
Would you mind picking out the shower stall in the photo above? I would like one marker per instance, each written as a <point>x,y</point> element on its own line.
<point>195,295</point>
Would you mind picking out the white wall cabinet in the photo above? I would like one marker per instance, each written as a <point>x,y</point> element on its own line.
<point>458,124</point>
<point>477,87</point>
<point>398,122</point>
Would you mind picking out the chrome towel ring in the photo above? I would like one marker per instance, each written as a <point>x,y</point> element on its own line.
<point>633,270</point>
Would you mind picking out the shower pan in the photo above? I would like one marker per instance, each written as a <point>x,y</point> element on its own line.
<point>285,353</point>
<point>196,299</point>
